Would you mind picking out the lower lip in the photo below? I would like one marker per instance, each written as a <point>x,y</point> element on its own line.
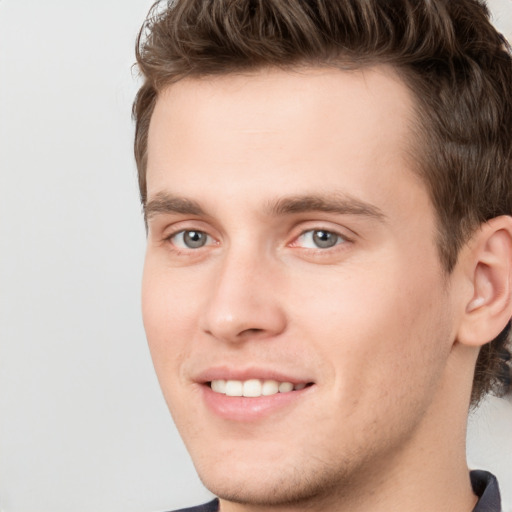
<point>245,409</point>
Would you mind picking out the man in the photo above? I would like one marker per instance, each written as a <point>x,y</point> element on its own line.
<point>327,285</point>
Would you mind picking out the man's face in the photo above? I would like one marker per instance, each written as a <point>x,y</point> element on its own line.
<point>291,245</point>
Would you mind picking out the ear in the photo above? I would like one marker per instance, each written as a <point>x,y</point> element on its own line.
<point>487,260</point>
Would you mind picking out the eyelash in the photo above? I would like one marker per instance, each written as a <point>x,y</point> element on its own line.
<point>183,233</point>
<point>339,239</point>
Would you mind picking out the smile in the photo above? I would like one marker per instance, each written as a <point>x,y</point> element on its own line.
<point>254,388</point>
<point>252,394</point>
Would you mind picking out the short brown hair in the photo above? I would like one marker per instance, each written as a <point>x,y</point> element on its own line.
<point>456,64</point>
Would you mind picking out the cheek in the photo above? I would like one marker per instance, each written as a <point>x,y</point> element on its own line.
<point>378,331</point>
<point>168,317</point>
<point>169,321</point>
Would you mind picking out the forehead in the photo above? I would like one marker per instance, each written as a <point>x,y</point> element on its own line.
<point>290,121</point>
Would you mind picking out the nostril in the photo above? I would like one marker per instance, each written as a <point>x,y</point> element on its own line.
<point>252,331</point>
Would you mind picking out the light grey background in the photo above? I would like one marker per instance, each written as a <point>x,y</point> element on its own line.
<point>83,426</point>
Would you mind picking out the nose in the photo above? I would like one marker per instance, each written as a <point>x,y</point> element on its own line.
<point>243,302</point>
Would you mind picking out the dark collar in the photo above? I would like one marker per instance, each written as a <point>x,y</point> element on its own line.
<point>485,486</point>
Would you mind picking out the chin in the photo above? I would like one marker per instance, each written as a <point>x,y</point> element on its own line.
<point>270,481</point>
<point>266,490</point>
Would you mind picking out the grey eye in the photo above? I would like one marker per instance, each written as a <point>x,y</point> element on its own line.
<point>325,239</point>
<point>194,239</point>
<point>190,239</point>
<point>320,239</point>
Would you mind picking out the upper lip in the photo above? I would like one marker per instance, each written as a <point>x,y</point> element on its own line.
<point>243,374</point>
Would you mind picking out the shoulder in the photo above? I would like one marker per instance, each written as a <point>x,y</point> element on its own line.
<point>212,506</point>
<point>485,486</point>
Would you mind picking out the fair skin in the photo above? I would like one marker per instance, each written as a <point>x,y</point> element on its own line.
<point>290,240</point>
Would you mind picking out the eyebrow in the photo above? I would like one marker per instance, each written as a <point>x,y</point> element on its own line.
<point>332,203</point>
<point>164,203</point>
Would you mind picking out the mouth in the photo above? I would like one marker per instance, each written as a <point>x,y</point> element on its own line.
<point>254,388</point>
<point>252,399</point>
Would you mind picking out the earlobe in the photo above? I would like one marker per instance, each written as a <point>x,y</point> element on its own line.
<point>489,263</point>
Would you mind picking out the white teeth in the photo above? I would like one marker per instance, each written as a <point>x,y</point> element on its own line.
<point>219,386</point>
<point>284,387</point>
<point>253,387</point>
<point>270,387</point>
<point>234,388</point>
